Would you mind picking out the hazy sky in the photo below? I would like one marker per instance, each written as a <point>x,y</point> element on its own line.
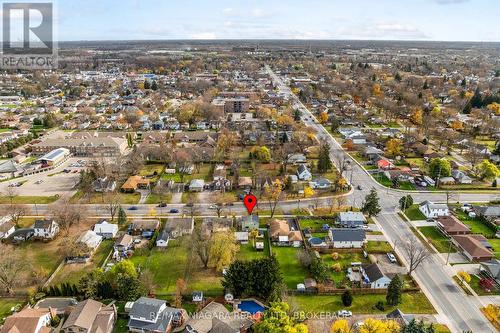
<point>469,20</point>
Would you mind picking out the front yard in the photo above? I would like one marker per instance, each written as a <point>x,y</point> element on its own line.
<point>378,247</point>
<point>437,239</point>
<point>414,303</point>
<point>414,214</point>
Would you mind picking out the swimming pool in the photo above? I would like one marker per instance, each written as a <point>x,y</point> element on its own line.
<point>250,306</point>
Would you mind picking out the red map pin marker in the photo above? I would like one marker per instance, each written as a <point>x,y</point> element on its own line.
<point>249,201</point>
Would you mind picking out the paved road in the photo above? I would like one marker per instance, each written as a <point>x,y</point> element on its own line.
<point>460,312</point>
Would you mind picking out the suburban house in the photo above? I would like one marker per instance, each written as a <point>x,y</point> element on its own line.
<point>249,222</point>
<point>150,315</point>
<point>7,227</point>
<point>216,224</point>
<point>28,321</point>
<point>351,219</point>
<point>303,173</point>
<point>21,235</point>
<point>196,185</point>
<point>90,316</point>
<point>163,238</point>
<point>91,239</point>
<point>281,234</point>
<point>245,183</point>
<point>45,229</point>
<point>133,183</point>
<point>178,227</point>
<point>472,248</point>
<point>106,230</point>
<point>373,276</point>
<point>450,226</point>
<point>432,210</point>
<point>384,164</point>
<point>124,243</point>
<point>145,228</point>
<point>296,158</point>
<point>461,177</point>
<point>347,238</point>
<point>490,213</point>
<point>491,269</point>
<point>215,317</point>
<point>104,184</point>
<point>320,184</point>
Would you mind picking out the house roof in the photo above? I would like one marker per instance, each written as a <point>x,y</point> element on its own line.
<point>452,225</point>
<point>145,306</point>
<point>133,181</point>
<point>89,237</point>
<point>245,181</point>
<point>348,235</point>
<point>373,272</point>
<point>351,217</point>
<point>489,211</point>
<point>24,321</point>
<point>43,224</point>
<point>9,166</point>
<point>145,224</point>
<point>432,205</point>
<point>472,246</point>
<point>105,227</point>
<point>493,267</point>
<point>83,315</point>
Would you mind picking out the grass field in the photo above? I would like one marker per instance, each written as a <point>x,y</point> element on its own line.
<point>247,251</point>
<point>98,198</point>
<point>476,225</point>
<point>293,272</point>
<point>362,304</point>
<point>6,304</point>
<point>414,214</point>
<point>72,273</point>
<point>315,224</point>
<point>22,200</point>
<point>438,240</point>
<point>377,246</point>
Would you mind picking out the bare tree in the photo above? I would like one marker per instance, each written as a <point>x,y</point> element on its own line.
<point>11,268</point>
<point>11,193</point>
<point>17,212</point>
<point>341,161</point>
<point>67,215</point>
<point>112,200</point>
<point>415,253</point>
<point>202,246</point>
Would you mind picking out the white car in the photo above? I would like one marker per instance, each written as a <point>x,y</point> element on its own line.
<point>212,207</point>
<point>344,313</point>
<point>391,258</point>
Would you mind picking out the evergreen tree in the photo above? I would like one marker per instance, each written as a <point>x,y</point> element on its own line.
<point>154,85</point>
<point>335,124</point>
<point>318,270</point>
<point>394,290</point>
<point>426,85</point>
<point>397,77</point>
<point>122,216</point>
<point>405,202</point>
<point>347,298</point>
<point>371,204</point>
<point>147,85</point>
<point>463,83</point>
<point>476,100</point>
<point>324,161</point>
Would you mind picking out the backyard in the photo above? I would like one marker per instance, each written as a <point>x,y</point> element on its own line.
<point>293,272</point>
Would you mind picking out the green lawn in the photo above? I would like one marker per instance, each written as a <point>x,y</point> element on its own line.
<point>414,214</point>
<point>154,198</point>
<point>293,272</point>
<point>18,199</point>
<point>153,171</point>
<point>440,242</point>
<point>176,177</point>
<point>377,246</point>
<point>6,304</point>
<point>382,179</point>
<point>98,198</point>
<point>247,251</point>
<point>476,225</point>
<point>474,283</point>
<point>314,224</point>
<point>121,325</point>
<point>495,243</point>
<point>415,302</point>
<point>72,273</point>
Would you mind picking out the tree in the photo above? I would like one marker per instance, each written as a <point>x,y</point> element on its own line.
<point>124,267</point>
<point>122,216</point>
<point>347,298</point>
<point>273,194</point>
<point>112,201</point>
<point>371,325</point>
<point>340,326</point>
<point>324,161</point>
<point>323,117</point>
<point>405,202</point>
<point>11,269</point>
<point>318,270</point>
<point>439,167</point>
<point>89,283</point>
<point>335,124</point>
<point>394,147</point>
<point>220,200</point>
<point>417,327</point>
<point>394,290</point>
<point>223,250</point>
<point>16,213</point>
<point>263,154</point>
<point>371,204</point>
<point>487,170</point>
<point>277,320</point>
<point>202,246</point>
<point>415,253</point>
<point>308,192</point>
<point>464,277</point>
<point>180,290</point>
<point>67,214</point>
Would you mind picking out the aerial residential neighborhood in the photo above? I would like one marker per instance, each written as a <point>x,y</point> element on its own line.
<point>154,180</point>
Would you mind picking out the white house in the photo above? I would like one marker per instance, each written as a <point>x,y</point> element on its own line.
<point>196,185</point>
<point>6,227</point>
<point>303,173</point>
<point>347,238</point>
<point>431,210</point>
<point>373,276</point>
<point>163,238</point>
<point>46,229</point>
<point>106,230</point>
<point>91,239</point>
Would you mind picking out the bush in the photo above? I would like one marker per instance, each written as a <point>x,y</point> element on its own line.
<point>337,267</point>
<point>380,306</point>
<point>335,255</point>
<point>347,298</point>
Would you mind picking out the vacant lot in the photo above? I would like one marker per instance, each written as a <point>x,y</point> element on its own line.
<point>362,304</point>
<point>100,198</point>
<point>438,240</point>
<point>293,272</point>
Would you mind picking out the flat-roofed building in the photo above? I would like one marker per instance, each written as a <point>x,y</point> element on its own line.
<point>84,147</point>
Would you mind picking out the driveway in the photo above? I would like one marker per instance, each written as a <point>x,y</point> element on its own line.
<point>389,268</point>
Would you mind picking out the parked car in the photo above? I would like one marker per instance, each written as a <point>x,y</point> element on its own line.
<point>359,187</point>
<point>212,207</point>
<point>39,181</point>
<point>391,258</point>
<point>162,204</point>
<point>133,208</point>
<point>174,211</point>
<point>344,313</point>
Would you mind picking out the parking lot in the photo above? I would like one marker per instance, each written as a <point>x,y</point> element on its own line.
<point>48,183</point>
